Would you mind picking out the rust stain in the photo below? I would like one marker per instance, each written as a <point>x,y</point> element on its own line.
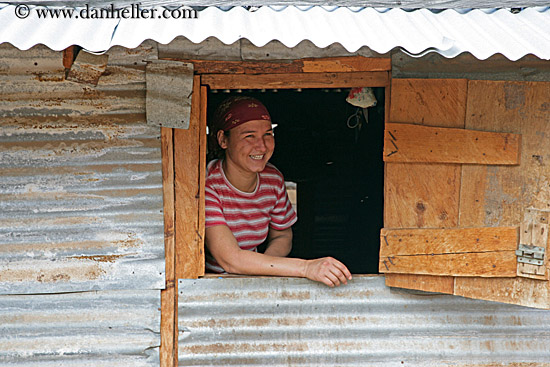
<point>228,348</point>
<point>44,272</point>
<point>42,77</point>
<point>100,258</point>
<point>296,295</point>
<point>41,278</point>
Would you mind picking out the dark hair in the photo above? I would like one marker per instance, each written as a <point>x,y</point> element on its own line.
<point>214,149</point>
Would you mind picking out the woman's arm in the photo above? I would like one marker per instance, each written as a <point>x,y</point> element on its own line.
<point>279,243</point>
<point>223,246</point>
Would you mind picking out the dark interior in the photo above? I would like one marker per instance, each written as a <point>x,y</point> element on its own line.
<point>338,171</point>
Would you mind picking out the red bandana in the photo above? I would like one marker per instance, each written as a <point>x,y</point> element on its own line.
<point>235,111</point>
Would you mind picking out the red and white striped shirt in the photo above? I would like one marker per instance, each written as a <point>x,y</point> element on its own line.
<point>248,215</point>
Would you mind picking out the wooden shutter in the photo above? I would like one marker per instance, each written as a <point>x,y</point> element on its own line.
<point>467,185</point>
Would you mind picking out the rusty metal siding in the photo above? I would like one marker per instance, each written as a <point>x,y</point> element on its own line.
<point>286,321</point>
<point>105,328</point>
<point>81,181</point>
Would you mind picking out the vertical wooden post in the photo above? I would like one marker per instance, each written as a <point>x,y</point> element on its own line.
<point>168,298</point>
<point>202,171</point>
<point>187,153</point>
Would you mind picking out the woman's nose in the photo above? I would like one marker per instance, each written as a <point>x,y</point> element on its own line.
<point>260,144</point>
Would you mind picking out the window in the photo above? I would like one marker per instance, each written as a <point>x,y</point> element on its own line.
<point>334,156</point>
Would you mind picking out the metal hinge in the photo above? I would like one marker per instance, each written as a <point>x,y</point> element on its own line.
<point>529,254</point>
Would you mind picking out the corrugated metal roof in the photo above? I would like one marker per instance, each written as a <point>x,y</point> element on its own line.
<point>285,321</point>
<point>450,32</point>
<point>106,328</point>
<point>81,184</point>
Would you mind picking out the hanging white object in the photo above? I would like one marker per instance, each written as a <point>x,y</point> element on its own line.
<point>361,97</point>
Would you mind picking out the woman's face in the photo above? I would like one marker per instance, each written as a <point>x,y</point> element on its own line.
<point>249,146</point>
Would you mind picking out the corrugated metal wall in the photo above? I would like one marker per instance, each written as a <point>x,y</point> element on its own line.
<point>80,210</point>
<point>286,321</point>
<point>81,185</point>
<point>105,328</point>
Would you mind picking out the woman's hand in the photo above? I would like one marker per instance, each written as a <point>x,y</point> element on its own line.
<point>327,270</point>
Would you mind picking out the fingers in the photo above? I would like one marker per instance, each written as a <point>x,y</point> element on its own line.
<point>330,272</point>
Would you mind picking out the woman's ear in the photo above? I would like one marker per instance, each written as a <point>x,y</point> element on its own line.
<point>222,139</point>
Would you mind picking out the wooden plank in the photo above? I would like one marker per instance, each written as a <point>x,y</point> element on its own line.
<point>427,283</point>
<point>503,193</point>
<point>202,173</point>
<point>290,80</point>
<point>416,143</point>
<point>478,264</point>
<point>534,232</point>
<point>346,64</point>
<point>488,252</point>
<point>424,195</point>
<point>429,102</point>
<point>189,255</point>
<point>519,291</point>
<point>69,54</point>
<point>168,301</point>
<point>310,65</point>
<point>167,327</point>
<point>437,241</point>
<point>421,195</point>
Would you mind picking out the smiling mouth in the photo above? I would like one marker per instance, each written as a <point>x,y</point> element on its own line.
<point>257,157</point>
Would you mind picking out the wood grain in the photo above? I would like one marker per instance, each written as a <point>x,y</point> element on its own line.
<point>519,291</point>
<point>427,283</point>
<point>202,174</point>
<point>189,253</point>
<point>309,65</point>
<point>416,143</point>
<point>167,317</point>
<point>346,64</point>
<point>504,193</point>
<point>421,195</point>
<point>424,195</point>
<point>534,232</point>
<point>429,102</point>
<point>492,196</point>
<point>296,80</point>
<point>488,252</point>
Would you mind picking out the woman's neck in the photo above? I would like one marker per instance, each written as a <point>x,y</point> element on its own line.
<point>243,181</point>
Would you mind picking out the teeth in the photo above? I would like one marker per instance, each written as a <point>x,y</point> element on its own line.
<point>261,156</point>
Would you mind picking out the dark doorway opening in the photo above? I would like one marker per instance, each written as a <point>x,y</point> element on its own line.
<point>326,146</point>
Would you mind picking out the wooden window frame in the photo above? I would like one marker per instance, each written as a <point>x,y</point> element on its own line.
<point>184,156</point>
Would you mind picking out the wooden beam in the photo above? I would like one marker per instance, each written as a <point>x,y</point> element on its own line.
<point>297,80</point>
<point>244,67</point>
<point>69,54</point>
<point>427,283</point>
<point>520,291</point>
<point>202,173</point>
<point>426,144</point>
<point>486,252</point>
<point>168,317</point>
<point>189,253</point>
<point>309,65</point>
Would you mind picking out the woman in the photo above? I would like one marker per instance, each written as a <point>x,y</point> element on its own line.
<point>246,201</point>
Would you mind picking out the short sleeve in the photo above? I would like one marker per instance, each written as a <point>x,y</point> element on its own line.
<point>283,215</point>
